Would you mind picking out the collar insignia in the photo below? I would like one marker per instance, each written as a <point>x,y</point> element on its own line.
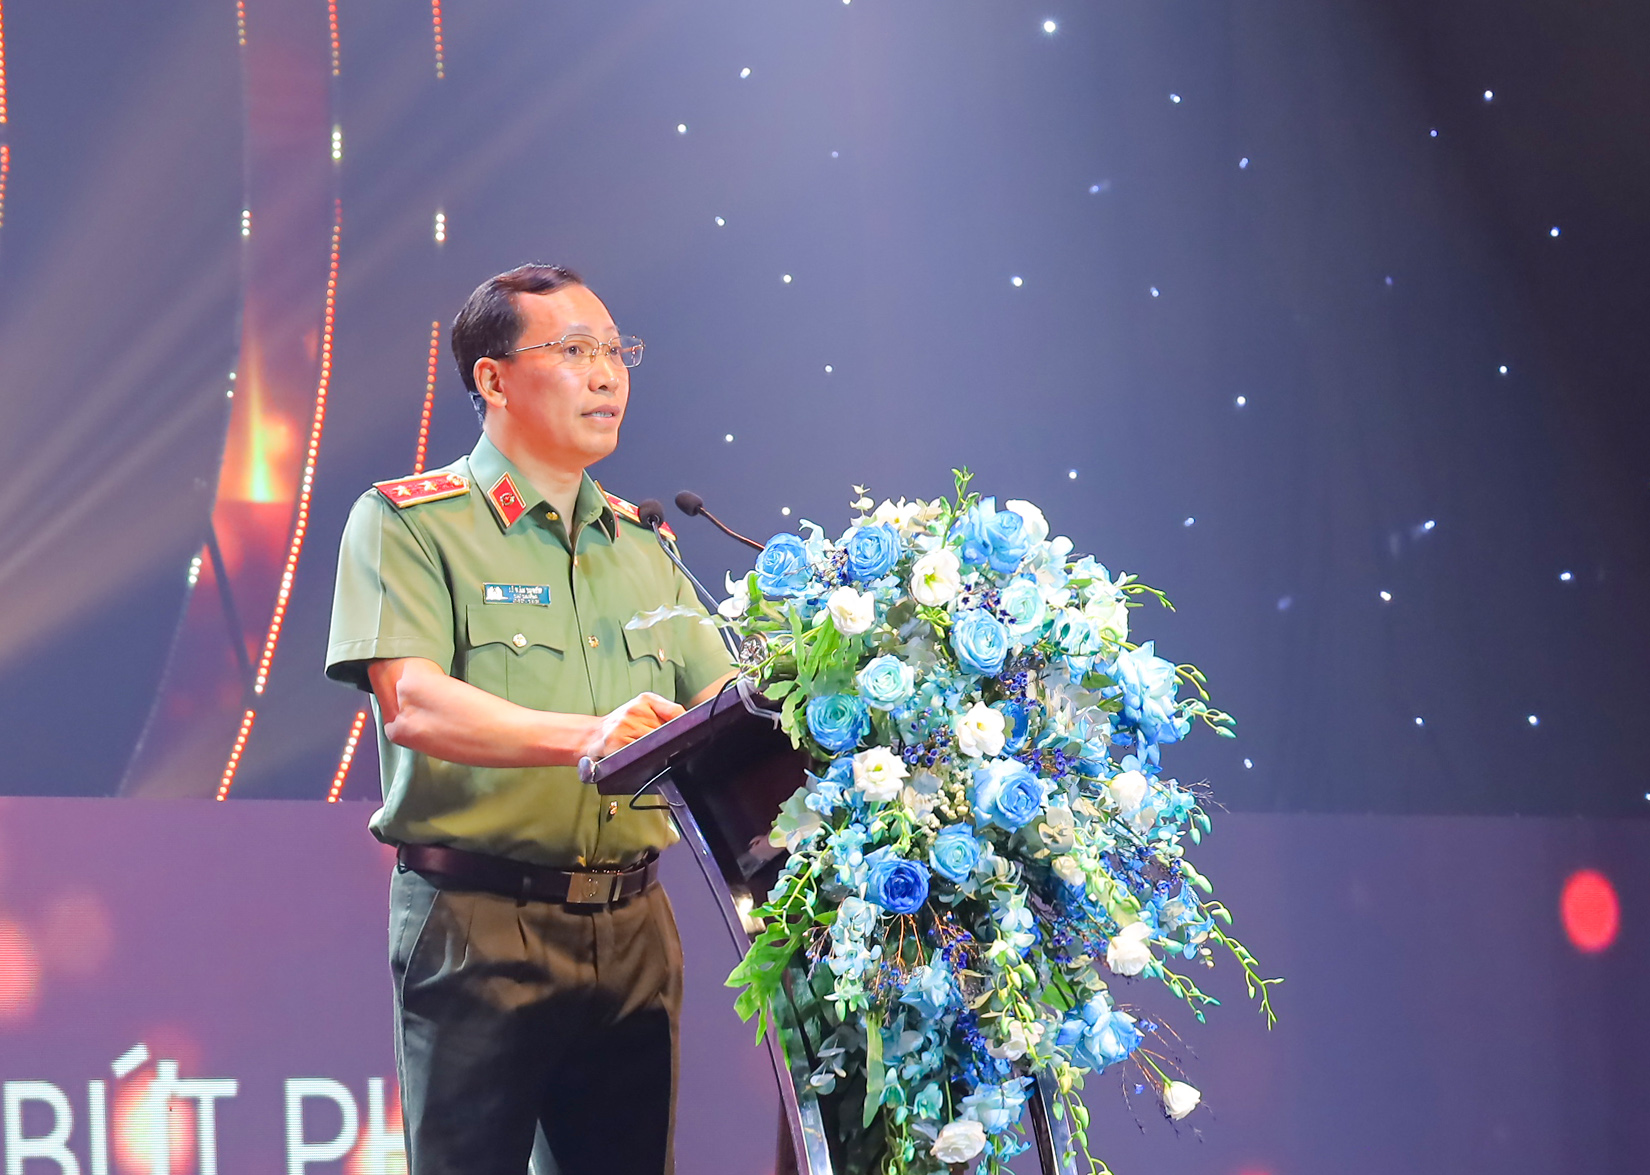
<point>630,514</point>
<point>506,499</point>
<point>411,491</point>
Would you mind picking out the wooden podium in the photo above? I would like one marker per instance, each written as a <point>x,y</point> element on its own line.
<point>724,768</point>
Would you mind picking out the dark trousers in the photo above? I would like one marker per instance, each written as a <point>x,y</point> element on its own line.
<point>513,1016</point>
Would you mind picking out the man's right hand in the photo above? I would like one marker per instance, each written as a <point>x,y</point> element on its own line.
<point>629,722</point>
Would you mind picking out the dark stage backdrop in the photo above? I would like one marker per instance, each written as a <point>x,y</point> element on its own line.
<point>1327,320</point>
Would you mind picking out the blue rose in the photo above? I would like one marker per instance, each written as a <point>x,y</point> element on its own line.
<point>1006,793</point>
<point>1016,725</point>
<point>981,642</point>
<point>838,721</point>
<point>955,852</point>
<point>886,681</point>
<point>1022,602</point>
<point>782,567</point>
<point>897,885</point>
<point>872,551</point>
<point>992,536</point>
<point>1076,634</point>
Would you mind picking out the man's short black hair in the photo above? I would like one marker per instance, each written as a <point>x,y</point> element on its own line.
<point>489,322</point>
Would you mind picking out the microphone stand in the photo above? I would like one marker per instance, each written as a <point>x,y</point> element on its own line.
<point>653,514</point>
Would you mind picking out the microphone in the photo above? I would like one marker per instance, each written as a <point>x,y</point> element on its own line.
<point>653,517</point>
<point>690,503</point>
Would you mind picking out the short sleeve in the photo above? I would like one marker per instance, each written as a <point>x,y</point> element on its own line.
<point>391,599</point>
<point>704,656</point>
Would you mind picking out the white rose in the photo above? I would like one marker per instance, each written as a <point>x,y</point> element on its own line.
<point>1017,1041</point>
<point>980,732</point>
<point>853,612</point>
<point>878,773</point>
<point>1128,789</point>
<point>958,1141</point>
<point>1180,1099</point>
<point>1069,871</point>
<point>1036,527</point>
<point>936,578</point>
<point>1127,953</point>
<point>739,598</point>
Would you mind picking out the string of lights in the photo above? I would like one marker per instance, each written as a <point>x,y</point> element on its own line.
<point>348,757</point>
<point>429,398</point>
<point>5,148</point>
<point>435,19</point>
<point>332,27</point>
<point>317,422</point>
<point>235,753</point>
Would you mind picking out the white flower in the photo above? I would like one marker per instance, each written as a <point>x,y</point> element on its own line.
<point>1110,617</point>
<point>1036,527</point>
<point>878,774</point>
<point>1018,1038</point>
<point>1179,1099</point>
<point>1128,789</point>
<point>980,732</point>
<point>1058,831</point>
<point>1068,870</point>
<point>936,578</point>
<point>958,1141</point>
<point>853,612</point>
<point>1127,953</point>
<point>739,598</point>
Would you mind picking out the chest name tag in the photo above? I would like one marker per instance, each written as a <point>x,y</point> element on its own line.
<point>516,593</point>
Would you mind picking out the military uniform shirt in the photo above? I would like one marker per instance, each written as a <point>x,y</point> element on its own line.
<point>474,571</point>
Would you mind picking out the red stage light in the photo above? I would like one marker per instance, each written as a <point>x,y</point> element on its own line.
<point>1591,913</point>
<point>19,974</point>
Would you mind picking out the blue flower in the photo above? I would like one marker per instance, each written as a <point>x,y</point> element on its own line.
<point>1022,602</point>
<point>1016,725</point>
<point>996,1107</point>
<point>955,852</point>
<point>980,642</point>
<point>1148,685</point>
<point>1006,793</point>
<point>897,885</point>
<point>872,551</point>
<point>886,681</point>
<point>996,537</point>
<point>782,567</point>
<point>838,721</point>
<point>847,851</point>
<point>1099,1035</point>
<point>929,990</point>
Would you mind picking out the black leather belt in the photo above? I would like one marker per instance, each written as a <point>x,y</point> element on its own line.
<point>524,882</point>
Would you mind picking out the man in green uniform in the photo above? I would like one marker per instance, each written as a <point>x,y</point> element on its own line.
<point>536,964</point>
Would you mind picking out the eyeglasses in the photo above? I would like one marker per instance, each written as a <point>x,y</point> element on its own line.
<point>580,351</point>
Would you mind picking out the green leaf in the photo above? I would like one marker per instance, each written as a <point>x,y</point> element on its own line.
<point>874,1072</point>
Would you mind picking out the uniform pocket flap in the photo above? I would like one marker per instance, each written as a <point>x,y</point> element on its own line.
<point>653,642</point>
<point>516,626</point>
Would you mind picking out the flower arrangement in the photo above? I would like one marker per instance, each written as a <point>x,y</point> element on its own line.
<point>987,838</point>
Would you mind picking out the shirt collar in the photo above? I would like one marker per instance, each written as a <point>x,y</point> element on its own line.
<point>512,497</point>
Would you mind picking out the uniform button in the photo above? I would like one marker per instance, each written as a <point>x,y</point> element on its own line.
<point>661,654</point>
<point>592,641</point>
<point>519,640</point>
<point>612,809</point>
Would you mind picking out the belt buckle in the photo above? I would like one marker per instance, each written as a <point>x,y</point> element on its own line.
<point>591,889</point>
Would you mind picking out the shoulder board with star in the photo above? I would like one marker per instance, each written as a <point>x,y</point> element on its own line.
<point>421,488</point>
<point>629,513</point>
